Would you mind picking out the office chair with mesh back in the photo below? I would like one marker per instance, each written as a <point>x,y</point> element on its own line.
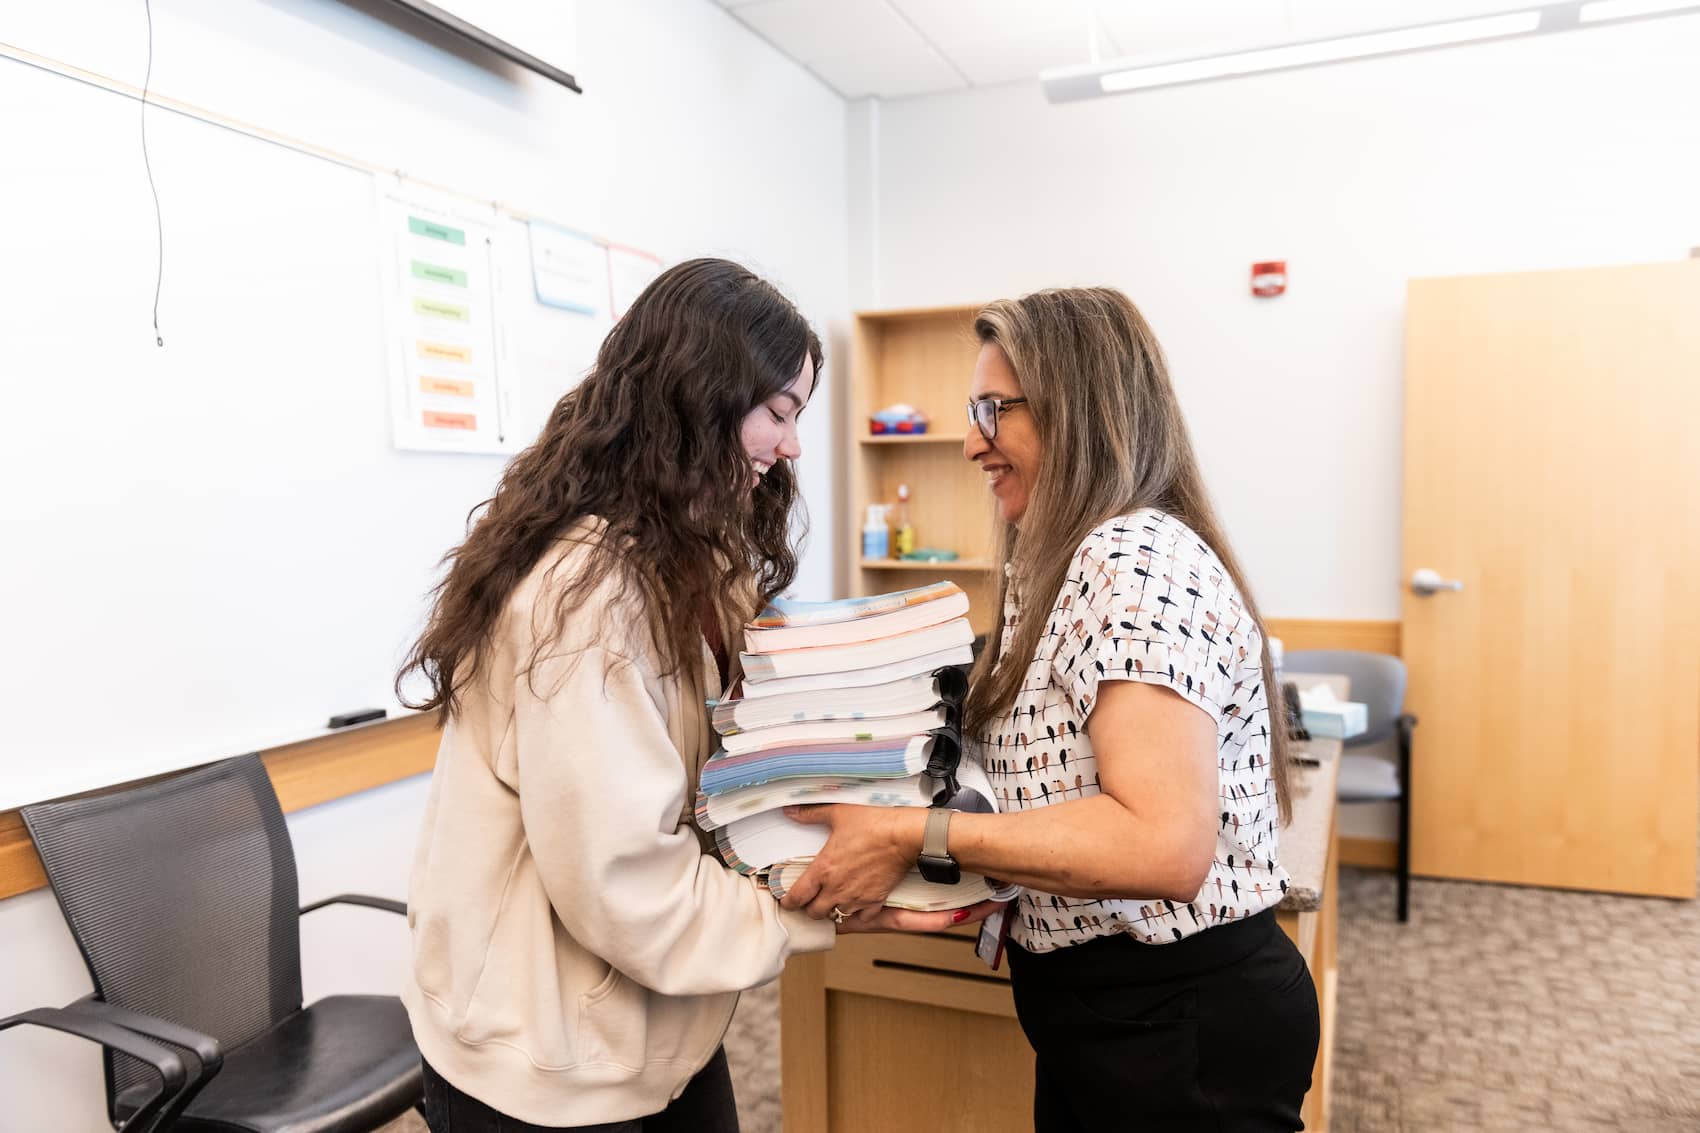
<point>1376,766</point>
<point>181,894</point>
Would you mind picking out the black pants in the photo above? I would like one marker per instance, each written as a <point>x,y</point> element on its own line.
<point>1215,1032</point>
<point>706,1106</point>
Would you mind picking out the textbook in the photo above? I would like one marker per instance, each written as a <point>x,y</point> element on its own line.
<point>860,678</point>
<point>861,759</point>
<point>754,843</point>
<point>839,659</point>
<point>715,811</point>
<point>783,612</point>
<point>942,603</point>
<point>836,731</point>
<point>894,698</point>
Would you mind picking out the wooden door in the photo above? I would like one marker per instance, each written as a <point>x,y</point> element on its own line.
<point>1552,466</point>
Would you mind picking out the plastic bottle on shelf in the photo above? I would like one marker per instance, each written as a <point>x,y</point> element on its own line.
<point>905,529</point>
<point>876,540</point>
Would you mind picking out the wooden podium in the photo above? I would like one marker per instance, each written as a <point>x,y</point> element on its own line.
<point>889,1033</point>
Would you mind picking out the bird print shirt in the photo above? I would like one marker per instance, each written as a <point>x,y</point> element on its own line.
<point>1145,600</point>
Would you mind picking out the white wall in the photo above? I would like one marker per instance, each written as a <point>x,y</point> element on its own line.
<point>1559,151</point>
<point>693,137</point>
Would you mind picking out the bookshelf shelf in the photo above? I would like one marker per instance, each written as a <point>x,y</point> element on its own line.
<point>951,567</point>
<point>924,358</point>
<point>902,439</point>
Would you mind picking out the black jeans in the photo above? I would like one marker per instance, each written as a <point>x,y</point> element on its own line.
<point>1215,1032</point>
<point>706,1106</point>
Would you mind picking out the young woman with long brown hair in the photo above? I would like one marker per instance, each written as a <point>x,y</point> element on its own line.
<point>1122,709</point>
<point>577,953</point>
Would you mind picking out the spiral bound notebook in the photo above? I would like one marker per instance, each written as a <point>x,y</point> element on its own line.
<point>831,659</point>
<point>930,606</point>
<point>862,759</point>
<point>850,702</point>
<point>894,698</point>
<point>753,843</point>
<point>758,689</point>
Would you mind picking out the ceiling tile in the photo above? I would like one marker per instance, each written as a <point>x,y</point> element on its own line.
<point>1186,27</point>
<point>1019,59</point>
<point>889,74</point>
<point>949,22</point>
<point>808,30</point>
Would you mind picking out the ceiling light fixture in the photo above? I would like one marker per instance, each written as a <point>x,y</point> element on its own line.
<point>1066,84</point>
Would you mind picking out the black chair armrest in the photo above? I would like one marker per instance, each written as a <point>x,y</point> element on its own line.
<point>165,1062</point>
<point>385,903</point>
<point>203,1046</point>
<point>1406,722</point>
<point>209,1058</point>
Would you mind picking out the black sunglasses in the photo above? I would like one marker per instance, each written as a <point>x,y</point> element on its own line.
<point>984,413</point>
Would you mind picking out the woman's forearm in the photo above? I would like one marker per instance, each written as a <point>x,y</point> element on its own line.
<point>1091,848</point>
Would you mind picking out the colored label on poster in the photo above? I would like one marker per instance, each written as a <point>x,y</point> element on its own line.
<point>443,352</point>
<point>437,274</point>
<point>435,420</point>
<point>434,231</point>
<point>448,387</point>
<point>440,310</point>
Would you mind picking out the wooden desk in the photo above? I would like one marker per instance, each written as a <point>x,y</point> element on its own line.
<point>898,1032</point>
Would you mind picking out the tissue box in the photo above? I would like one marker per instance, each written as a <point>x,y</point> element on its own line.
<point>1340,720</point>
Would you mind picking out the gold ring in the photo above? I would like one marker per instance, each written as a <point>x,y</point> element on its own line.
<point>839,916</point>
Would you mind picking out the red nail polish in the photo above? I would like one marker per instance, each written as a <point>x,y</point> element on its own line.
<point>959,916</point>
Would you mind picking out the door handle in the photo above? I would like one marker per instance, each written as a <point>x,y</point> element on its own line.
<point>1426,582</point>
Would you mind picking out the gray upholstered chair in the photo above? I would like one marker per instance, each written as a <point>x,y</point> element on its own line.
<point>1376,766</point>
<point>181,894</point>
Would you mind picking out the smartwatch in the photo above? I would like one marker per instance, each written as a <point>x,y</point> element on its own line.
<point>936,863</point>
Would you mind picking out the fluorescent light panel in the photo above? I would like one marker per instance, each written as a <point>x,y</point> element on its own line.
<point>1322,51</point>
<point>1629,9</point>
<point>1068,83</point>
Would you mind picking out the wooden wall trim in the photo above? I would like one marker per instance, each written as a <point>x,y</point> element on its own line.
<point>304,774</point>
<point>1370,853</point>
<point>1319,633</point>
<point>317,771</point>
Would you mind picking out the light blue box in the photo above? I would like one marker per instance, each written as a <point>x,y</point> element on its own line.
<point>1340,721</point>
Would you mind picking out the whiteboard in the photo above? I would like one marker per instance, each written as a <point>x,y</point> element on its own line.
<point>211,546</point>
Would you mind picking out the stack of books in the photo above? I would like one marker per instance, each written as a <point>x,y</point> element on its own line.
<point>856,701</point>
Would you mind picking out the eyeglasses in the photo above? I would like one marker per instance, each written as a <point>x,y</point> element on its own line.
<point>984,413</point>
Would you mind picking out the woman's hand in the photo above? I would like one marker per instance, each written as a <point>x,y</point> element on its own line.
<point>883,919</point>
<point>869,851</point>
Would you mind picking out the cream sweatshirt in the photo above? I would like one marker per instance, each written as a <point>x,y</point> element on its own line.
<point>576,953</point>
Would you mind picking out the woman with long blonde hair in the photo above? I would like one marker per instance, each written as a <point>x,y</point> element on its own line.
<point>1123,709</point>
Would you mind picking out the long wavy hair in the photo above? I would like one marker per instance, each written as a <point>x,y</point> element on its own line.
<point>650,443</point>
<point>1113,441</point>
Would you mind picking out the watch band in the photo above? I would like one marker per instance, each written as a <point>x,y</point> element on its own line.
<point>935,839</point>
<point>935,863</point>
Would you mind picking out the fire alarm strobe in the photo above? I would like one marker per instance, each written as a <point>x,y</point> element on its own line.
<point>1269,279</point>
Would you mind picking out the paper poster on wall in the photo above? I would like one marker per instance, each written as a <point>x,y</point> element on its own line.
<point>440,298</point>
<point>568,269</point>
<point>629,272</point>
<point>546,349</point>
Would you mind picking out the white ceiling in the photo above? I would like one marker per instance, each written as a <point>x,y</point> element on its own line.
<point>898,48</point>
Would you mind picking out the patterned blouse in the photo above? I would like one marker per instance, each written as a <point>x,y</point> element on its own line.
<point>1145,600</point>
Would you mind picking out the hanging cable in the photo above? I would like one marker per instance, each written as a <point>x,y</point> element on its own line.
<point>158,221</point>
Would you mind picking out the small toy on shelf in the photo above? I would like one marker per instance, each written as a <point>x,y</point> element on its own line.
<point>900,418</point>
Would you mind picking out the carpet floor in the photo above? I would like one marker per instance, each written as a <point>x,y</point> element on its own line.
<point>1495,1008</point>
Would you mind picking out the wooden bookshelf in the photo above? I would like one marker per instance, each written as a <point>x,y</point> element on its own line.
<point>924,358</point>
